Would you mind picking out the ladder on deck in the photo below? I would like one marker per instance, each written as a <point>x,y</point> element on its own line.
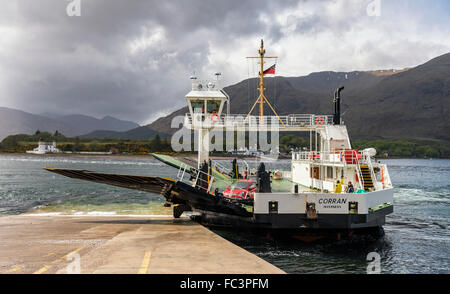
<point>367,177</point>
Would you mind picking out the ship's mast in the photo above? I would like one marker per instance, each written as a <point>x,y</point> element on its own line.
<point>261,98</point>
<point>261,81</point>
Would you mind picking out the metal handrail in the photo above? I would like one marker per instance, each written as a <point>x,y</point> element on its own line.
<point>292,120</point>
<point>360,176</point>
<point>220,168</point>
<point>386,177</point>
<point>334,158</point>
<point>182,172</point>
<point>370,166</point>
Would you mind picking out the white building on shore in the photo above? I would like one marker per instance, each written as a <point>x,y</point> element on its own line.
<point>45,147</point>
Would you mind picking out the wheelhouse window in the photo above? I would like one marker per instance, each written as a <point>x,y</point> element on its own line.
<point>213,106</point>
<point>198,106</point>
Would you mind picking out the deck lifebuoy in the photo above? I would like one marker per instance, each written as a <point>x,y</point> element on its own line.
<point>320,120</point>
<point>312,155</point>
<point>214,117</point>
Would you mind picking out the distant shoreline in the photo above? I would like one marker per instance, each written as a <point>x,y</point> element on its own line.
<point>77,155</point>
<point>193,156</point>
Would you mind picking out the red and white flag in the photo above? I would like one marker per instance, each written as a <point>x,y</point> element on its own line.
<point>270,70</point>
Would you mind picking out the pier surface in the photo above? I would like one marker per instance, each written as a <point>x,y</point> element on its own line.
<point>119,244</point>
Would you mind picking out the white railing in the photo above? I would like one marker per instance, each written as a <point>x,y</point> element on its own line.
<point>242,120</point>
<point>341,157</point>
<point>195,177</point>
<point>225,170</point>
<point>221,168</point>
<point>385,177</point>
<point>348,156</point>
<point>360,176</point>
<point>368,161</point>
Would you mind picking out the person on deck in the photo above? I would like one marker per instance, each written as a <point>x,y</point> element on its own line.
<point>350,188</point>
<point>338,188</point>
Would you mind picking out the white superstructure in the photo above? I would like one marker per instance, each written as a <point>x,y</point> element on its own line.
<point>330,185</point>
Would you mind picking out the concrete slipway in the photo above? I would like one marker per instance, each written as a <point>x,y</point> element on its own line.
<point>49,244</point>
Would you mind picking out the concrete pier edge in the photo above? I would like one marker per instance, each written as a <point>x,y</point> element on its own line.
<point>114,244</point>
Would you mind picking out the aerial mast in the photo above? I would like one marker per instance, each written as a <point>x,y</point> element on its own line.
<point>262,98</point>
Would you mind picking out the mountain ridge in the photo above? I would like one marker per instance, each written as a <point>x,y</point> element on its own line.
<point>411,103</point>
<point>15,121</point>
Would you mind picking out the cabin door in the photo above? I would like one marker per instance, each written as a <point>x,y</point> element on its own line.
<point>315,173</point>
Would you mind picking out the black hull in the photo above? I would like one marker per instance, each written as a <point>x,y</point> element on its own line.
<point>217,211</point>
<point>297,225</point>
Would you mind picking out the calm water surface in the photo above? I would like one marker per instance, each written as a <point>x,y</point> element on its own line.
<point>416,240</point>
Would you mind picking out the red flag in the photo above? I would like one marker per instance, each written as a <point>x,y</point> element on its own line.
<point>270,70</point>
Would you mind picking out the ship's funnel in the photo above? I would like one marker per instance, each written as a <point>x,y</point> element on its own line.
<point>337,106</point>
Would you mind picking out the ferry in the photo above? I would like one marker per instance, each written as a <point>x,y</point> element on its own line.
<point>331,188</point>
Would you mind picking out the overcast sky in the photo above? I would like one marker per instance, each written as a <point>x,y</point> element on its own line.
<point>132,59</point>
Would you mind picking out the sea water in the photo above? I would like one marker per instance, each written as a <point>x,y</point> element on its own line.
<point>417,236</point>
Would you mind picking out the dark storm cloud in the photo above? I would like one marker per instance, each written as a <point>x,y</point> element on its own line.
<point>87,64</point>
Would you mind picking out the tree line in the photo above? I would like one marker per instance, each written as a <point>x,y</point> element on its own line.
<point>22,142</point>
<point>385,148</point>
